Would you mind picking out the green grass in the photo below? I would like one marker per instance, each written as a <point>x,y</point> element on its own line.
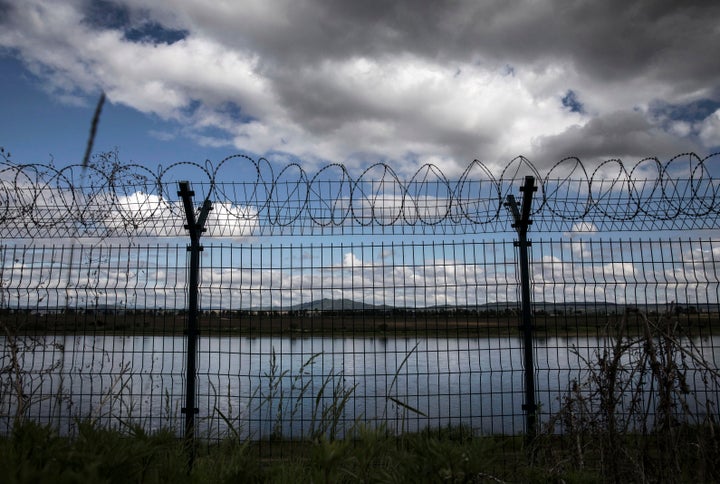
<point>37,454</point>
<point>34,453</point>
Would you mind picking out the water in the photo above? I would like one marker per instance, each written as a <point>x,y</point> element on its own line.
<point>260,387</point>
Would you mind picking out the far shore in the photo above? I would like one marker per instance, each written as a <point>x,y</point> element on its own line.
<point>350,323</point>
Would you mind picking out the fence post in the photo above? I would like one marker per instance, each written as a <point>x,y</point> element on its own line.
<point>195,228</point>
<point>522,221</point>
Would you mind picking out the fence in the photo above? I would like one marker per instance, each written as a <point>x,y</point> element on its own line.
<point>327,301</point>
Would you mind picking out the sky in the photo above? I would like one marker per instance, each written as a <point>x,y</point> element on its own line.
<point>407,83</point>
<point>319,81</point>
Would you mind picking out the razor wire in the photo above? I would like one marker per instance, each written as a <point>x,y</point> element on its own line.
<point>250,197</point>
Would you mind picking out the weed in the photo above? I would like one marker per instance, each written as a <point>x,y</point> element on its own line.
<point>282,405</point>
<point>635,413</point>
<point>113,401</point>
<point>20,387</point>
<point>400,406</point>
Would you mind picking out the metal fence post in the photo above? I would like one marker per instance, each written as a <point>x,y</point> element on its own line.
<point>522,221</point>
<point>195,228</point>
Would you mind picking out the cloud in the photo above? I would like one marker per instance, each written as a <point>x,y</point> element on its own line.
<point>351,260</point>
<point>585,227</point>
<point>580,247</point>
<point>406,82</point>
<point>228,220</point>
<point>622,134</point>
<point>139,210</point>
<point>149,215</point>
<point>709,129</point>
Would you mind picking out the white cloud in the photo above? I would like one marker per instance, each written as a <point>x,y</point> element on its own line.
<point>149,215</point>
<point>142,213</point>
<point>228,220</point>
<point>584,227</point>
<point>580,247</point>
<point>331,82</point>
<point>616,272</point>
<point>710,130</point>
<point>351,260</point>
<point>238,276</point>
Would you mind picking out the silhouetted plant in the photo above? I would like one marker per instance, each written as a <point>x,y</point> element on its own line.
<point>636,411</point>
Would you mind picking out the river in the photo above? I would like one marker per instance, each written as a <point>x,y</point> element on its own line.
<point>272,386</point>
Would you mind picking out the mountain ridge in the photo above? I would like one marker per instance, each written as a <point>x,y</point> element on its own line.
<point>345,304</point>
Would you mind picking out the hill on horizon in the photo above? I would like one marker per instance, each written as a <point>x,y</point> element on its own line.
<point>327,304</point>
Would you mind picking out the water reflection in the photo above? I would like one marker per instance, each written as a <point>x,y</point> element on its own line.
<point>290,386</point>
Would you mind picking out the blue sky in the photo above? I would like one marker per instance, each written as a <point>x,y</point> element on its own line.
<point>40,127</point>
<point>318,82</point>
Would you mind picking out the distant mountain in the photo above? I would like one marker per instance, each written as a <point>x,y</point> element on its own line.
<point>337,305</point>
<point>350,305</point>
<point>327,304</point>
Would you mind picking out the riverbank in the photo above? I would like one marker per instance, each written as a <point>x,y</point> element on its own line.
<point>345,323</point>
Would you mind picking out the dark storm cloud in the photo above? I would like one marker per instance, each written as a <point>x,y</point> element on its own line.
<point>612,43</point>
<point>610,40</point>
<point>624,134</point>
<point>103,14</point>
<point>5,9</point>
<point>303,32</point>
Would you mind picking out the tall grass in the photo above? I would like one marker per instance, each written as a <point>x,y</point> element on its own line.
<point>636,416</point>
<point>19,386</point>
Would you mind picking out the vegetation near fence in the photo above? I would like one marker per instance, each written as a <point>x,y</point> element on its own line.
<point>342,326</point>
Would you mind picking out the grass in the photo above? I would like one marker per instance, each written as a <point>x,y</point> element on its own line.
<point>35,453</point>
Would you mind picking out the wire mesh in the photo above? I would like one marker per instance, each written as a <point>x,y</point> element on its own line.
<point>307,339</point>
<point>91,332</point>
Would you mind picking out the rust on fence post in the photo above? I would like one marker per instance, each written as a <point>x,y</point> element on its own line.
<point>522,222</point>
<point>196,229</point>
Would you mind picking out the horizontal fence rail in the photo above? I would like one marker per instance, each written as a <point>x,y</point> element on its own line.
<point>252,198</point>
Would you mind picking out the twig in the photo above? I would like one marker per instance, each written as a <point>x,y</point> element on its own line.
<point>93,131</point>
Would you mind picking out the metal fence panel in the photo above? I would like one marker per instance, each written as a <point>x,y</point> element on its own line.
<point>304,338</point>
